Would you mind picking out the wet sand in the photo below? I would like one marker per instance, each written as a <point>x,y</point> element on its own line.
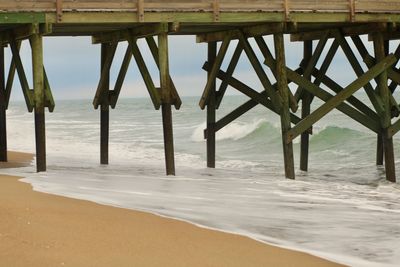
<point>38,229</point>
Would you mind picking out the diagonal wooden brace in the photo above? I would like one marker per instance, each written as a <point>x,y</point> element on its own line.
<point>16,65</point>
<point>312,62</point>
<point>392,73</point>
<point>229,72</point>
<point>259,98</point>
<point>10,77</point>
<point>114,94</point>
<point>262,76</point>
<point>373,96</point>
<point>48,95</point>
<point>337,100</point>
<point>101,91</point>
<point>153,92</point>
<point>213,73</point>
<point>334,86</point>
<point>268,55</point>
<point>28,93</point>
<point>176,100</point>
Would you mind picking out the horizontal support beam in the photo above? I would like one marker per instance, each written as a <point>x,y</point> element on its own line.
<point>347,31</point>
<point>248,31</point>
<point>136,32</point>
<point>24,32</point>
<point>388,35</point>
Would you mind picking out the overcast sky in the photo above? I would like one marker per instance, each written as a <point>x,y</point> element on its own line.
<point>72,65</point>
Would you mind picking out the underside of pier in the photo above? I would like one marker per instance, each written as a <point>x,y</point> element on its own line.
<point>324,28</point>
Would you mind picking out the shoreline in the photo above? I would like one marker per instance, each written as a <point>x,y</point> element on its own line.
<point>48,230</point>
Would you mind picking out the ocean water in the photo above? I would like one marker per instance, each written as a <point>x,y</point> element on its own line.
<point>342,209</point>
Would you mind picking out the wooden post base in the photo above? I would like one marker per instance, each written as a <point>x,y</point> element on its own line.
<point>40,136</point>
<point>168,139</point>
<point>3,135</point>
<point>389,160</point>
<point>379,150</point>
<point>104,133</point>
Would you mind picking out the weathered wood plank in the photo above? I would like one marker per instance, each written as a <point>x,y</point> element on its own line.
<point>141,6</point>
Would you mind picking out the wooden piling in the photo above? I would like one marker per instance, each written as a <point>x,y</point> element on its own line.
<point>305,111</point>
<point>379,149</point>
<point>383,91</point>
<point>211,109</point>
<point>39,95</point>
<point>104,107</point>
<point>282,85</point>
<point>3,107</point>
<point>379,141</point>
<point>166,103</point>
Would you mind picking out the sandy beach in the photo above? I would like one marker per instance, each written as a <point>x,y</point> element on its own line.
<point>38,229</point>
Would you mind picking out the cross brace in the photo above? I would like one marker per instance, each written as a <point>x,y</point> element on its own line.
<point>338,99</point>
<point>16,65</point>
<point>111,96</point>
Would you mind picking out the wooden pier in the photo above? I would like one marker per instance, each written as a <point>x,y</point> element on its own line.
<point>220,24</point>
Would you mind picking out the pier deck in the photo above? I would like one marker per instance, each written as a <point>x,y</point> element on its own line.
<point>312,22</point>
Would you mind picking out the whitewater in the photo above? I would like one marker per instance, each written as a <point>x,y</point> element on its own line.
<point>342,209</point>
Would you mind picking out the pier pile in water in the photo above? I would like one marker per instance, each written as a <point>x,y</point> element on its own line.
<point>225,22</point>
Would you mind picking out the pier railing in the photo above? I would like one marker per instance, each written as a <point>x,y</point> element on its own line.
<point>352,6</point>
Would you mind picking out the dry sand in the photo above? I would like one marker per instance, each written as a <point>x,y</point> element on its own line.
<point>38,229</point>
